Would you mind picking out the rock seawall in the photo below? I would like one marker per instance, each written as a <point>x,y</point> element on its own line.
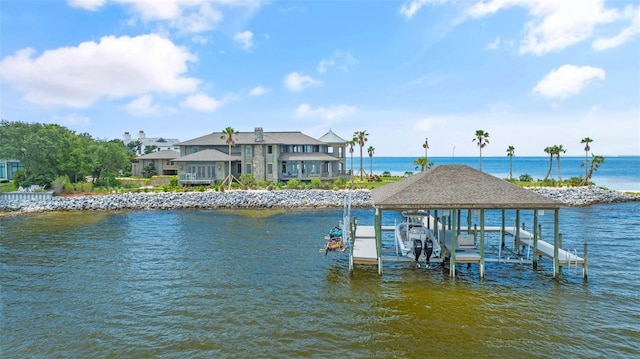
<point>183,200</point>
<point>571,196</point>
<point>585,196</point>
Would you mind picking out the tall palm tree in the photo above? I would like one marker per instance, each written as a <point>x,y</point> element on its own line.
<point>550,151</point>
<point>511,153</point>
<point>227,134</point>
<point>483,140</point>
<point>596,161</point>
<point>370,151</point>
<point>351,144</point>
<point>360,137</point>
<point>586,142</point>
<point>559,149</point>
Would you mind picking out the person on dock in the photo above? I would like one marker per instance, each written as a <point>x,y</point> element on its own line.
<point>428,250</point>
<point>417,249</point>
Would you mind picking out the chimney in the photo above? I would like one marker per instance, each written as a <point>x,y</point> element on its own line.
<point>126,136</point>
<point>258,134</point>
<point>141,134</point>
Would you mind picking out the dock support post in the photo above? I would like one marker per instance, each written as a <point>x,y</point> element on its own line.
<point>378,232</point>
<point>516,235</point>
<point>584,265</point>
<point>534,256</point>
<point>452,260</point>
<point>481,243</point>
<point>502,230</point>
<point>556,244</point>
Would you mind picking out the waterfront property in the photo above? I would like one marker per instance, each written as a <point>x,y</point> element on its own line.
<point>142,143</point>
<point>8,168</point>
<point>161,162</point>
<point>267,156</point>
<point>452,193</point>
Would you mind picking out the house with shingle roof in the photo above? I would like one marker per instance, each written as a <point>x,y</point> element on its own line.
<point>267,156</point>
<point>448,190</point>
<point>162,162</point>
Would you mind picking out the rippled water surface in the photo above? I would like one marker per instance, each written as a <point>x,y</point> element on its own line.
<point>169,284</point>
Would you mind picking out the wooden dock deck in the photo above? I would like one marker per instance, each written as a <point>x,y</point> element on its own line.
<point>364,245</point>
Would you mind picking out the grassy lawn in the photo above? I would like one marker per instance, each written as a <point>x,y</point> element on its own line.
<point>7,187</point>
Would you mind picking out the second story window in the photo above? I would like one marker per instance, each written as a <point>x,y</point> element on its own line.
<point>269,149</point>
<point>247,150</point>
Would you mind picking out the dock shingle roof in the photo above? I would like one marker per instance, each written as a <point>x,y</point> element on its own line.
<point>456,187</point>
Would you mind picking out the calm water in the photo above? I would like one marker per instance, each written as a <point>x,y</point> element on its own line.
<point>619,173</point>
<point>245,284</point>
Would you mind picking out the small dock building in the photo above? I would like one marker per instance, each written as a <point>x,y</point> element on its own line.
<point>446,192</point>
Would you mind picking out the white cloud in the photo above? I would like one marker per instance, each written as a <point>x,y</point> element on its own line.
<point>567,80</point>
<point>115,67</point>
<point>90,5</point>
<point>410,7</point>
<point>495,44</point>
<point>555,25</point>
<point>259,91</point>
<point>244,39</point>
<point>324,64</point>
<point>143,106</point>
<point>624,35</point>
<point>341,59</point>
<point>297,82</point>
<point>328,113</point>
<point>190,16</point>
<point>201,102</point>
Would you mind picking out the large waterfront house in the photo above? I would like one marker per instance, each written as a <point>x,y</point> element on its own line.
<point>161,162</point>
<point>8,168</point>
<point>267,156</point>
<point>142,143</point>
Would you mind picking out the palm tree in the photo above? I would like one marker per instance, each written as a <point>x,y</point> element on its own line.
<point>483,140</point>
<point>586,141</point>
<point>370,151</point>
<point>550,151</point>
<point>559,149</point>
<point>510,153</point>
<point>423,163</point>
<point>361,138</point>
<point>227,135</point>
<point>351,144</point>
<point>596,161</point>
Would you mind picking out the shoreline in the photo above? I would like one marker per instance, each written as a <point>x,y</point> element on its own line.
<point>263,199</point>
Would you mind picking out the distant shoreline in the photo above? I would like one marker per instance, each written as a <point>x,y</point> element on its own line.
<point>263,199</point>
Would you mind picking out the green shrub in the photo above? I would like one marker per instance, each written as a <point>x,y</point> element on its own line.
<point>525,178</point>
<point>60,183</point>
<point>293,184</point>
<point>315,183</point>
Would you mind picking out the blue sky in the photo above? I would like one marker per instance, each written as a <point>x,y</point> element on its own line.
<point>532,74</point>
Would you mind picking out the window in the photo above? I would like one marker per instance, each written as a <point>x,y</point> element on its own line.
<point>247,150</point>
<point>269,168</point>
<point>269,149</point>
<point>248,168</point>
<point>195,149</point>
<point>2,170</point>
<point>239,168</point>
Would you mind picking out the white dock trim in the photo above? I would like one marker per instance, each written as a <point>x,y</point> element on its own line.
<point>564,256</point>
<point>364,246</point>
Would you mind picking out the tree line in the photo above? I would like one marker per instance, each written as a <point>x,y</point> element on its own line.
<point>49,151</point>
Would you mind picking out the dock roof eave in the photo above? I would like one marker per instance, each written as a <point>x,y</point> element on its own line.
<point>456,187</point>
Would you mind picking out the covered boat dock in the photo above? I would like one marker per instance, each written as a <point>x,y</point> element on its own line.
<point>448,191</point>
